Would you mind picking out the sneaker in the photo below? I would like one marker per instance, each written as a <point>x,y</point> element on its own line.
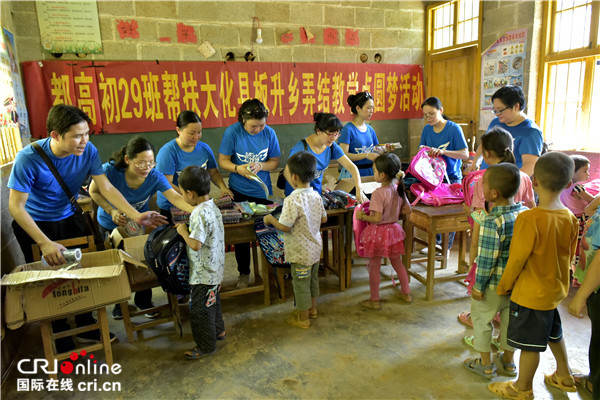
<point>373,305</point>
<point>438,250</point>
<point>94,337</point>
<point>116,312</point>
<point>243,281</point>
<point>294,320</point>
<point>153,314</point>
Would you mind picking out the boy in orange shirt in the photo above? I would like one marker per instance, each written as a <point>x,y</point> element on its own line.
<point>537,276</point>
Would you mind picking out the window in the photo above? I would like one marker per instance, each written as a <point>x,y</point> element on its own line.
<point>454,23</point>
<point>570,73</point>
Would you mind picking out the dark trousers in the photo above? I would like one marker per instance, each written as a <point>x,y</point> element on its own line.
<point>205,316</point>
<point>71,227</point>
<point>242,250</point>
<point>593,307</point>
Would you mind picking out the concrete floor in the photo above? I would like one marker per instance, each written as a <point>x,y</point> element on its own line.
<point>403,351</point>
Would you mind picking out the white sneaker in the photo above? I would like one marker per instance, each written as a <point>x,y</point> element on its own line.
<point>243,281</point>
<point>438,252</point>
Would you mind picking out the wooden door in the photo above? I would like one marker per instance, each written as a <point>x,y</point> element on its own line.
<point>452,77</point>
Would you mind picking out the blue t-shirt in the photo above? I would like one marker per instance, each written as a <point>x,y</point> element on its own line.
<point>138,198</point>
<point>245,148</point>
<point>450,138</point>
<point>527,139</point>
<point>323,160</point>
<point>359,142</point>
<point>47,201</point>
<point>171,160</point>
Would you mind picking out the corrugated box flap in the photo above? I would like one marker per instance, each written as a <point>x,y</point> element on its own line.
<point>127,258</point>
<point>22,277</point>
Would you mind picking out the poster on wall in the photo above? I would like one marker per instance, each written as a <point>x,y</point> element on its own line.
<point>501,65</point>
<point>147,96</point>
<point>69,26</point>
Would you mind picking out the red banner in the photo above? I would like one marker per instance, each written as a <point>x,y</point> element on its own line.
<point>144,96</point>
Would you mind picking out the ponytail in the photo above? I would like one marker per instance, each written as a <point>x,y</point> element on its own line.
<point>118,158</point>
<point>400,178</point>
<point>135,146</point>
<point>391,166</point>
<point>499,142</point>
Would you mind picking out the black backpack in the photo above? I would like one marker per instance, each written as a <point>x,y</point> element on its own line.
<point>166,253</point>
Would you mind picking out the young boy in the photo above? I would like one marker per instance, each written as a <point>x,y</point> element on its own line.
<point>300,220</point>
<point>205,241</point>
<point>537,276</point>
<point>500,184</point>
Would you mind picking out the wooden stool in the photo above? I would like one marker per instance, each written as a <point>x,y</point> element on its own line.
<point>172,306</point>
<point>48,339</point>
<point>434,220</point>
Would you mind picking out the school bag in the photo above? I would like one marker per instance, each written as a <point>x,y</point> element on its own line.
<point>358,226</point>
<point>468,185</point>
<point>440,196</point>
<point>428,170</point>
<point>271,243</point>
<point>165,252</point>
<point>593,187</point>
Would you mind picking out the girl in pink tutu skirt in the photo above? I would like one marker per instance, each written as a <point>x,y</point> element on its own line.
<point>384,237</point>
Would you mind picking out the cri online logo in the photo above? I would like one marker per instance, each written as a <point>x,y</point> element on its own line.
<point>66,367</point>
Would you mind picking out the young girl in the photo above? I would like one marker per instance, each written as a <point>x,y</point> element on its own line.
<point>576,198</point>
<point>384,237</point>
<point>497,147</point>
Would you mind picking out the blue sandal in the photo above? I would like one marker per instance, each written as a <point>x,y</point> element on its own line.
<point>474,365</point>
<point>195,353</point>
<point>505,366</point>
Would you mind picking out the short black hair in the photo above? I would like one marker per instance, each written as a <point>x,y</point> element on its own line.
<point>580,161</point>
<point>252,109</point>
<point>510,95</point>
<point>304,165</point>
<point>196,179</point>
<point>504,177</point>
<point>62,116</point>
<point>554,170</point>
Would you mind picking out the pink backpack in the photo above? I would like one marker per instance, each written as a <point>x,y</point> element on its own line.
<point>440,196</point>
<point>358,226</point>
<point>428,170</point>
<point>593,187</point>
<point>468,185</point>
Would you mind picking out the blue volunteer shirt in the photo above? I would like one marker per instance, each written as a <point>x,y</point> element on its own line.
<point>450,138</point>
<point>527,139</point>
<point>171,160</point>
<point>245,148</point>
<point>138,198</point>
<point>47,201</point>
<point>323,160</point>
<point>359,142</point>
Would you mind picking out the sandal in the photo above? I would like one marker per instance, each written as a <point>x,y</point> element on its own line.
<point>313,314</point>
<point>558,382</point>
<point>370,304</point>
<point>510,368</point>
<point>465,318</point>
<point>501,389</point>
<point>405,297</point>
<point>196,353</point>
<point>222,335</point>
<point>583,381</point>
<point>474,365</point>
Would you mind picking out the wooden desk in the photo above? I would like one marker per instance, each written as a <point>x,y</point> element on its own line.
<point>434,220</point>
<point>341,264</point>
<point>243,232</point>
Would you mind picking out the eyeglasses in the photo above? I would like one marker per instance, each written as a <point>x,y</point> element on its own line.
<point>145,165</point>
<point>429,115</point>
<point>498,112</point>
<point>333,134</point>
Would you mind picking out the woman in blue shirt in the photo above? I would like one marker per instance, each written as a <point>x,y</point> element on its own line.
<point>185,150</point>
<point>357,138</point>
<point>323,146</point>
<point>249,149</point>
<point>131,171</point>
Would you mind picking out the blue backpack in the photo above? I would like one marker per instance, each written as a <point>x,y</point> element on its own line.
<point>165,252</point>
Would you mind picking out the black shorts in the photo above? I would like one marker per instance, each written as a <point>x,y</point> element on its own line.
<point>531,330</point>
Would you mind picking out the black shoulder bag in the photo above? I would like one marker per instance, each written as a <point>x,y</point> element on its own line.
<point>97,239</point>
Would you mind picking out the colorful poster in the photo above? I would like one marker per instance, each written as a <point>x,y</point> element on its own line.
<point>501,65</point>
<point>147,96</point>
<point>69,26</point>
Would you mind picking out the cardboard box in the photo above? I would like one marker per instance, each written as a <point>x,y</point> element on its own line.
<point>134,246</point>
<point>368,184</point>
<point>36,292</point>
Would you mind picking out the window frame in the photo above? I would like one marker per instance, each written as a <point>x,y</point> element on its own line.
<point>431,28</point>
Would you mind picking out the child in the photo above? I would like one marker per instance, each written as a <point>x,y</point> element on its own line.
<point>501,183</point>
<point>590,290</point>
<point>576,198</point>
<point>300,220</point>
<point>497,147</point>
<point>384,237</point>
<point>206,254</point>
<point>537,276</point>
